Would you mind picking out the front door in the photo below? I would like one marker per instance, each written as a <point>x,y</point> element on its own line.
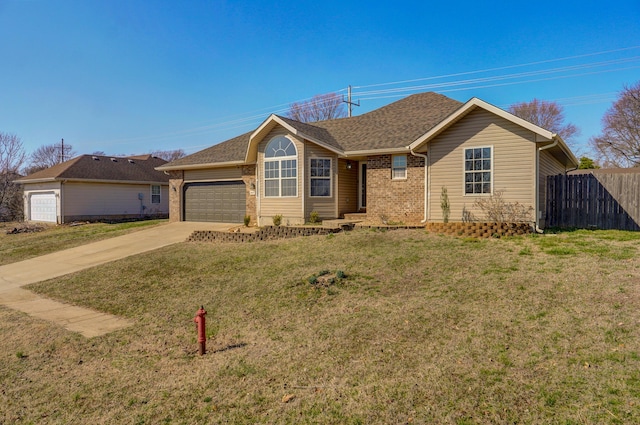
<point>362,187</point>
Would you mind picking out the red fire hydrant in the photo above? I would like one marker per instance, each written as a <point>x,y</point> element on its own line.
<point>200,327</point>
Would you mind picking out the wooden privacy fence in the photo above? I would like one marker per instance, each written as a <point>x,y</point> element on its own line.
<point>594,201</point>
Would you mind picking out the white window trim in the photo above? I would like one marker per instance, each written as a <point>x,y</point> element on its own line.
<point>323,178</point>
<point>279,160</point>
<point>406,167</point>
<point>159,194</point>
<point>464,171</point>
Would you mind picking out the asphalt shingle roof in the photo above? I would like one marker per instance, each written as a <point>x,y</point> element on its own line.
<point>96,167</point>
<point>232,150</point>
<point>393,126</point>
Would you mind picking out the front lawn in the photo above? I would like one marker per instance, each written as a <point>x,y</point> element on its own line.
<point>50,238</point>
<point>423,329</point>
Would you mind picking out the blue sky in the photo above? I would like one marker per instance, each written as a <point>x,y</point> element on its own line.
<point>129,76</point>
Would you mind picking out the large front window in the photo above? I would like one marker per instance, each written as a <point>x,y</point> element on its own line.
<point>280,168</point>
<point>320,177</point>
<point>477,171</point>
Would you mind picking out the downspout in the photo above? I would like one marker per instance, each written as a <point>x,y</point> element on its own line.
<point>555,143</point>
<point>424,219</point>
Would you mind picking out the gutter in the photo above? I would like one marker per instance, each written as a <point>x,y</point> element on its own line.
<point>555,143</point>
<point>424,219</point>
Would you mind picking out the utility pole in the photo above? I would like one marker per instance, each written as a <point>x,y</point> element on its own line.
<point>62,151</point>
<point>349,102</point>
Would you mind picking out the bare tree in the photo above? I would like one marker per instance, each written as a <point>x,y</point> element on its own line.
<point>169,155</point>
<point>548,115</point>
<point>320,107</point>
<point>49,155</point>
<point>619,143</point>
<point>12,158</point>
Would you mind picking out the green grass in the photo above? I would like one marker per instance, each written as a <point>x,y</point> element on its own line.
<point>422,329</point>
<point>21,246</point>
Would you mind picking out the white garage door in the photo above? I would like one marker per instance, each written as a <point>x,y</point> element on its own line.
<point>43,207</point>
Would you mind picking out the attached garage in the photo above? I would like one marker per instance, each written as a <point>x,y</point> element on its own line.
<point>43,207</point>
<point>223,202</point>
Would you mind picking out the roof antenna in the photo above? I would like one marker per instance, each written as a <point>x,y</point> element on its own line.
<point>349,102</point>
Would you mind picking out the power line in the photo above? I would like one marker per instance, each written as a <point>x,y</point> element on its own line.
<point>250,119</point>
<point>501,68</point>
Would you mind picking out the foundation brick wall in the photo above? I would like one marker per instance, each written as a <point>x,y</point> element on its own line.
<point>480,230</point>
<point>395,201</point>
<point>264,234</point>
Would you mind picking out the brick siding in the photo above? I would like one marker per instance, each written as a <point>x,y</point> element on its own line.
<point>399,201</point>
<point>176,180</point>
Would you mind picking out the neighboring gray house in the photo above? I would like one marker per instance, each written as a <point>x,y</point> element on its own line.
<point>94,187</point>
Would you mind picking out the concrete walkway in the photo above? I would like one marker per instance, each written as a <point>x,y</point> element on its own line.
<point>89,323</point>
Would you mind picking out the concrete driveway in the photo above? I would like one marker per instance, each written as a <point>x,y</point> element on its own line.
<point>89,323</point>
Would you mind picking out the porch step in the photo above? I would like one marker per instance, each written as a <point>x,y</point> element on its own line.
<point>355,217</point>
<point>340,224</point>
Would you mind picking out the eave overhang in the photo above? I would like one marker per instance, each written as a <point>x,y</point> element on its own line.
<point>77,180</point>
<point>203,165</point>
<point>268,125</point>
<point>541,135</point>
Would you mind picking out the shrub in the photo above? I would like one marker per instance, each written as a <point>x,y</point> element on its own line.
<point>247,220</point>
<point>314,217</point>
<point>277,219</point>
<point>498,210</point>
<point>445,205</point>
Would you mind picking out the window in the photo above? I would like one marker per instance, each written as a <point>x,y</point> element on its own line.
<point>399,167</point>
<point>155,194</point>
<point>320,177</point>
<point>280,168</point>
<point>477,171</point>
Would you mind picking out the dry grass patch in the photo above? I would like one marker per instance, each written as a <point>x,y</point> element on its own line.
<point>51,238</point>
<point>423,329</point>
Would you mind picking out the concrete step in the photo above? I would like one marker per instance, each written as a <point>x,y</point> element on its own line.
<point>340,224</point>
<point>355,216</point>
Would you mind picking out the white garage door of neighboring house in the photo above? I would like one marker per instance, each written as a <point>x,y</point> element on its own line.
<point>223,202</point>
<point>43,207</point>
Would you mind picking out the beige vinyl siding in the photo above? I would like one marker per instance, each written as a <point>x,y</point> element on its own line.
<point>326,207</point>
<point>513,164</point>
<point>549,166</point>
<point>213,174</point>
<point>289,207</point>
<point>98,199</point>
<point>347,187</point>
